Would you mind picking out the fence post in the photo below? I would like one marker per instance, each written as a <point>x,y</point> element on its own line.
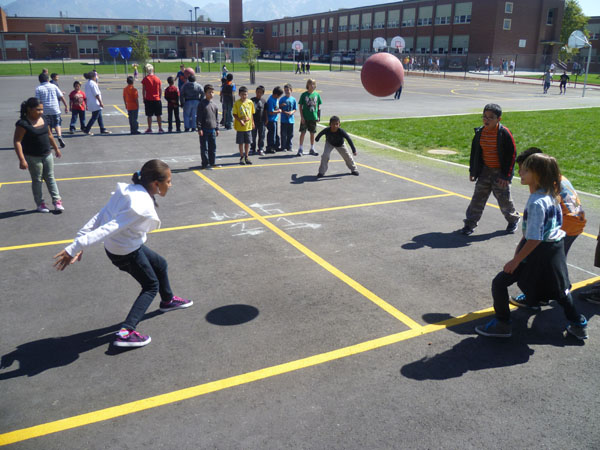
<point>63,62</point>
<point>515,68</point>
<point>466,65</point>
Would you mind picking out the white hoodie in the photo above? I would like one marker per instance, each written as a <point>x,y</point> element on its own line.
<point>122,224</point>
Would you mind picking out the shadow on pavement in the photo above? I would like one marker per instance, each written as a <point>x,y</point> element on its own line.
<point>452,239</point>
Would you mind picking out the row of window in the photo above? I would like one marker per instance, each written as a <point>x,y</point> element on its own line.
<point>147,29</point>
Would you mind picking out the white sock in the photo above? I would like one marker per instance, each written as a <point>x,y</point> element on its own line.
<point>300,148</point>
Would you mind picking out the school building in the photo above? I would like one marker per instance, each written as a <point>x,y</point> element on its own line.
<point>495,28</point>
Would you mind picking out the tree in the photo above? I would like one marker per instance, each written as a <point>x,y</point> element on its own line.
<point>574,19</point>
<point>140,52</point>
<point>251,53</point>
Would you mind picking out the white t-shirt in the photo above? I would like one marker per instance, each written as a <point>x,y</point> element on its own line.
<point>49,95</point>
<point>91,91</point>
<point>122,224</point>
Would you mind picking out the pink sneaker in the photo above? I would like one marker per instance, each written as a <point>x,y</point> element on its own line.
<point>148,131</point>
<point>175,303</point>
<point>58,206</point>
<point>42,208</point>
<point>130,338</point>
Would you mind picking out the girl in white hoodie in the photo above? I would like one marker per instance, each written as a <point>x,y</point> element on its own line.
<point>123,224</point>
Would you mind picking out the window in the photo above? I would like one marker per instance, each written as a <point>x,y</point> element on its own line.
<point>365,45</point>
<point>379,20</point>
<point>282,29</point>
<point>288,29</point>
<point>460,45</point>
<point>125,28</point>
<point>322,25</point>
<point>408,17</point>
<point>72,29</point>
<point>508,8</point>
<point>154,29</point>
<point>53,28</point>
<point>314,28</point>
<point>442,14</point>
<point>354,19</point>
<point>342,45</point>
<point>440,45</point>
<point>462,12</point>
<point>274,31</point>
<point>259,30</point>
<point>109,29</point>
<point>423,43</point>
<point>425,13</point>
<point>343,23</point>
<point>330,29</point>
<point>90,28</point>
<point>305,27</point>
<point>366,21</point>
<point>296,28</point>
<point>393,18</point>
<point>144,29</point>
<point>550,18</point>
<point>506,24</point>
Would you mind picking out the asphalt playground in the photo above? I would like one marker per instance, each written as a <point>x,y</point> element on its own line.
<point>331,313</point>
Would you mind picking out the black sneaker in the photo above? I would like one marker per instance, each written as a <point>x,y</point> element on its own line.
<point>466,231</point>
<point>355,172</point>
<point>495,328</point>
<point>313,153</point>
<point>242,162</point>
<point>579,330</point>
<point>320,175</point>
<point>248,161</point>
<point>512,227</point>
<point>61,142</point>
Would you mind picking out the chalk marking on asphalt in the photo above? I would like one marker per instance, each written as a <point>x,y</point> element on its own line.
<point>583,270</point>
<point>316,258</point>
<point>169,398</point>
<point>121,111</point>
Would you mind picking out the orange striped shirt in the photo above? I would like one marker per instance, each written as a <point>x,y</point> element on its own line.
<point>489,145</point>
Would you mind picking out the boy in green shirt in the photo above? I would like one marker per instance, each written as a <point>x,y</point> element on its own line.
<point>310,113</point>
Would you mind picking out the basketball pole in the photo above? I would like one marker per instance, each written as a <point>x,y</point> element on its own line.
<point>587,69</point>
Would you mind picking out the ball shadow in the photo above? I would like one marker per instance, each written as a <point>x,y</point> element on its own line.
<point>232,315</point>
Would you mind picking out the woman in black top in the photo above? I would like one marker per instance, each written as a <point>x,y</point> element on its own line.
<point>33,145</point>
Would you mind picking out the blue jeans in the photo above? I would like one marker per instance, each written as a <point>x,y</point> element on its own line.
<point>208,146</point>
<point>74,116</point>
<point>189,113</point>
<point>41,168</point>
<point>96,115</point>
<point>133,120</point>
<point>150,270</point>
<point>287,134</point>
<point>258,136</point>
<point>272,136</point>
<point>228,111</point>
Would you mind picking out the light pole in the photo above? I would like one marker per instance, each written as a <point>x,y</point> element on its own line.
<point>196,8</point>
<point>191,22</point>
<point>221,43</point>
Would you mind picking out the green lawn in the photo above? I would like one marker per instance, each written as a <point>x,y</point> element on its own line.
<point>572,136</point>
<point>593,78</point>
<point>78,68</point>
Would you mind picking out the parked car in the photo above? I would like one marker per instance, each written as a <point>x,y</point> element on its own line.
<point>325,58</point>
<point>316,57</point>
<point>267,55</point>
<point>336,58</point>
<point>349,58</point>
<point>456,64</point>
<point>171,54</point>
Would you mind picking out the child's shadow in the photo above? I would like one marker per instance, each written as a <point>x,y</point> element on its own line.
<point>38,356</point>
<point>312,178</point>
<point>453,239</point>
<point>479,352</point>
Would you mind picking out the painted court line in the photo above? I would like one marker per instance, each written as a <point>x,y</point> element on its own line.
<point>316,258</point>
<point>239,220</point>
<point>238,380</point>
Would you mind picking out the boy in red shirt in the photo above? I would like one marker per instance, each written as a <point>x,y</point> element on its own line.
<point>132,105</point>
<point>172,97</point>
<point>77,100</point>
<point>152,93</point>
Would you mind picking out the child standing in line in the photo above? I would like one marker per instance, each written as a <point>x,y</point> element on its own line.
<point>33,143</point>
<point>539,264</point>
<point>573,219</point>
<point>491,166</point>
<point>228,98</point>
<point>334,138</point>
<point>310,113</point>
<point>243,113</point>
<point>207,118</point>
<point>77,105</point>
<point>123,224</point>
<point>272,117</point>
<point>172,98</point>
<point>288,106</point>
<point>132,105</point>
<point>258,132</point>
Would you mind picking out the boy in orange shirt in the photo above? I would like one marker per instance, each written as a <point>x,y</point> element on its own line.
<point>132,105</point>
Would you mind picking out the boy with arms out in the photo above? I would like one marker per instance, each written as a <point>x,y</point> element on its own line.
<point>492,163</point>
<point>243,112</point>
<point>207,122</point>
<point>334,138</point>
<point>310,113</point>
<point>288,107</point>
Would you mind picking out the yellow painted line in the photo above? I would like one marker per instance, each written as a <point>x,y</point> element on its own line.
<point>121,111</point>
<point>316,258</point>
<point>589,235</point>
<point>226,383</point>
<point>236,166</point>
<point>248,219</point>
<point>74,178</point>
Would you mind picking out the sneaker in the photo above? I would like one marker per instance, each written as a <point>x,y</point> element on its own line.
<point>148,131</point>
<point>161,131</point>
<point>512,227</point>
<point>354,172</point>
<point>186,130</point>
<point>130,338</point>
<point>579,330</point>
<point>72,131</point>
<point>466,231</point>
<point>175,303</point>
<point>320,175</point>
<point>58,206</point>
<point>61,142</point>
<point>42,208</point>
<point>248,161</point>
<point>313,153</point>
<point>521,301</point>
<point>105,132</point>
<point>300,153</point>
<point>242,162</point>
<point>495,328</point>
<point>89,133</point>
<point>261,153</point>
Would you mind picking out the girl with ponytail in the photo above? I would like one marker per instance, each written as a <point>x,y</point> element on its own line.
<point>123,224</point>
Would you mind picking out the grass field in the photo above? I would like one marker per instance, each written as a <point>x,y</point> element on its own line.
<point>78,68</point>
<point>571,136</point>
<point>593,78</point>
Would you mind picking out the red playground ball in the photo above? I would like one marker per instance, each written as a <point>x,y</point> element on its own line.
<point>382,74</point>
<point>189,71</point>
